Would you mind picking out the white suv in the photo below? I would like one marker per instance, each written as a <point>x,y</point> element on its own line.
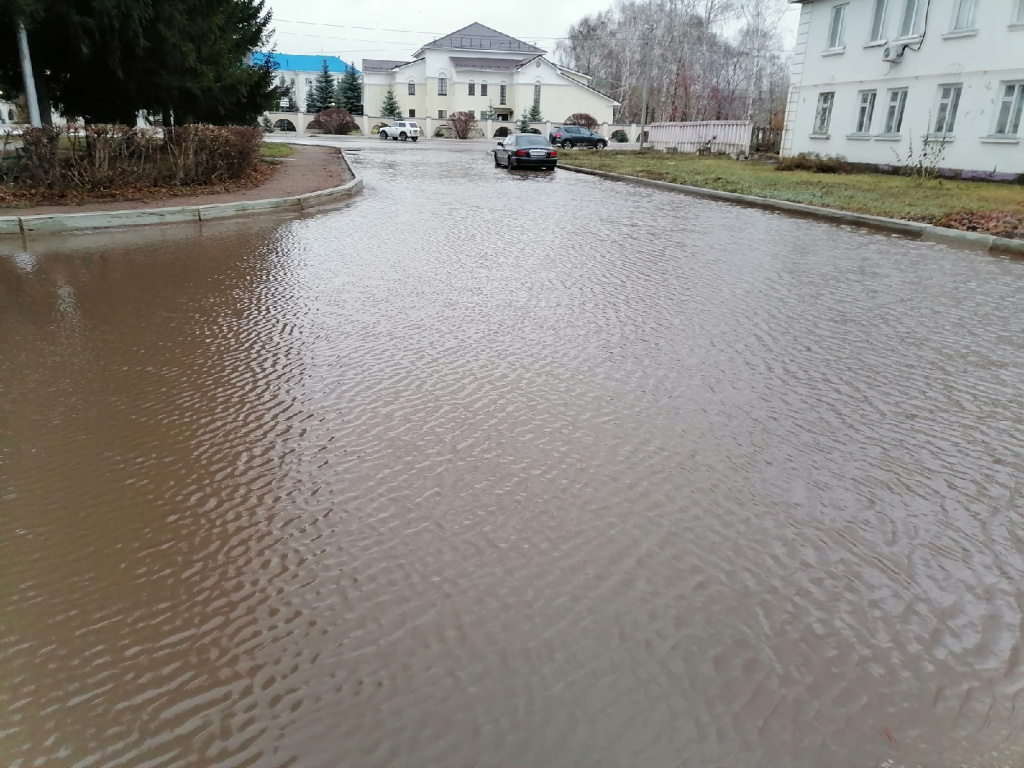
<point>402,129</point>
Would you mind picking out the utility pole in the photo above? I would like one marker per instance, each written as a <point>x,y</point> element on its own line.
<point>647,81</point>
<point>30,81</point>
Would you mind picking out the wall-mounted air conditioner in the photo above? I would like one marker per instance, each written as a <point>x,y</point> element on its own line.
<point>893,53</point>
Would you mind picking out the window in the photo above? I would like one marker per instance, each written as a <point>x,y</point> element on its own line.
<point>894,114</point>
<point>963,15</point>
<point>483,89</point>
<point>442,86</point>
<point>472,114</point>
<point>412,88</point>
<point>442,115</point>
<point>472,88</point>
<point>836,30</point>
<point>1019,19</point>
<point>878,22</point>
<point>824,114</point>
<point>309,81</point>
<point>1010,108</point>
<point>945,115</point>
<point>412,113</point>
<point>866,111</point>
<point>536,95</point>
<point>913,17</point>
<point>503,94</point>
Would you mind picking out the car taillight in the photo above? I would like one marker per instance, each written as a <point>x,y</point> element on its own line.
<point>552,153</point>
<point>558,135</point>
<point>520,153</point>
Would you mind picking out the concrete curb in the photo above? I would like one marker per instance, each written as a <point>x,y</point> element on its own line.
<point>76,222</point>
<point>926,232</point>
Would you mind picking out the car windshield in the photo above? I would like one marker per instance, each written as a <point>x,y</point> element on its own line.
<point>532,141</point>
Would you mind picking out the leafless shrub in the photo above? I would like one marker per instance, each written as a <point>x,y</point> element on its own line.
<point>462,124</point>
<point>73,160</point>
<point>583,119</point>
<point>337,122</point>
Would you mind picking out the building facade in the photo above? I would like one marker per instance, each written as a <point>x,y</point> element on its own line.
<point>299,73</point>
<point>879,81</point>
<point>479,70</point>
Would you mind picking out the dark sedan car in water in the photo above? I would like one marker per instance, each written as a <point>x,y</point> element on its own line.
<point>524,150</point>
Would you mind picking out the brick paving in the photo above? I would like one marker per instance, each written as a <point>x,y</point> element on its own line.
<point>309,169</point>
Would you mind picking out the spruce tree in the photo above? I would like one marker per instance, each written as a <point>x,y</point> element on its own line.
<point>390,106</point>
<point>534,114</point>
<point>322,95</point>
<point>350,91</point>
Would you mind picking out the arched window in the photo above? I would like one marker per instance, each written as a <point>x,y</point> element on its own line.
<point>503,94</point>
<point>483,87</point>
<point>412,87</point>
<point>472,88</point>
<point>442,83</point>
<point>536,93</point>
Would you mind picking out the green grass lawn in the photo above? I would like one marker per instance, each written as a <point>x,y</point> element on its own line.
<point>276,150</point>
<point>935,201</point>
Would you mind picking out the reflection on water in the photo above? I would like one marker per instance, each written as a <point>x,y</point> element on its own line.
<point>537,470</point>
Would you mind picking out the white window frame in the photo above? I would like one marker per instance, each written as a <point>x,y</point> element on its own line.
<point>536,93</point>
<point>946,109</point>
<point>965,16</point>
<point>895,111</point>
<point>471,88</point>
<point>912,19</point>
<point>823,113</point>
<point>483,87</point>
<point>442,114</point>
<point>878,11</point>
<point>1014,109</point>
<point>411,90</point>
<point>442,84</point>
<point>837,28</point>
<point>866,111</point>
<point>503,94</point>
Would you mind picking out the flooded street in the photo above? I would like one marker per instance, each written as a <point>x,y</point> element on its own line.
<point>491,468</point>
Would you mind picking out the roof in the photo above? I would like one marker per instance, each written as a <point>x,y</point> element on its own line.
<point>381,65</point>
<point>482,62</point>
<point>477,37</point>
<point>290,62</point>
<point>522,64</point>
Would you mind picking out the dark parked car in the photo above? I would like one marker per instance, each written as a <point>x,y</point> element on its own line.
<point>569,136</point>
<point>523,150</point>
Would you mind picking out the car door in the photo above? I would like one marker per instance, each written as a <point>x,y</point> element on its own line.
<point>587,137</point>
<point>506,147</point>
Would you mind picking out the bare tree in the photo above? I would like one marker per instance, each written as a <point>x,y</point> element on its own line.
<point>462,124</point>
<point>696,71</point>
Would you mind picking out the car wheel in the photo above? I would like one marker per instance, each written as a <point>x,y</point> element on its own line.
<point>601,144</point>
<point>566,145</point>
<point>414,138</point>
<point>496,163</point>
<point>403,136</point>
<point>384,135</point>
<point>509,161</point>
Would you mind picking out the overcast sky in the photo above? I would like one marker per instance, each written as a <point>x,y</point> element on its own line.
<point>358,29</point>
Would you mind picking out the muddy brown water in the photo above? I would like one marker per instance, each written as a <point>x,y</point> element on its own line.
<point>510,469</point>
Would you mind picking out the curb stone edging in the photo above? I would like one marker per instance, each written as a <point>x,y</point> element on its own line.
<point>76,222</point>
<point>926,232</point>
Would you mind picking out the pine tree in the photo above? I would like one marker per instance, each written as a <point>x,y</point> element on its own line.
<point>322,95</point>
<point>350,91</point>
<point>390,106</point>
<point>524,123</point>
<point>534,114</point>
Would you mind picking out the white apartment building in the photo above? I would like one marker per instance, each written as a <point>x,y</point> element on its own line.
<point>873,77</point>
<point>300,71</point>
<point>479,70</point>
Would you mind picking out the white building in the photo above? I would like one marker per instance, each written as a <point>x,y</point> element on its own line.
<point>873,77</point>
<point>477,69</point>
<point>300,72</point>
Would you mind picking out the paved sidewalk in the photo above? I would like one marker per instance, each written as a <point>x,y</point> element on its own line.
<point>310,169</point>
